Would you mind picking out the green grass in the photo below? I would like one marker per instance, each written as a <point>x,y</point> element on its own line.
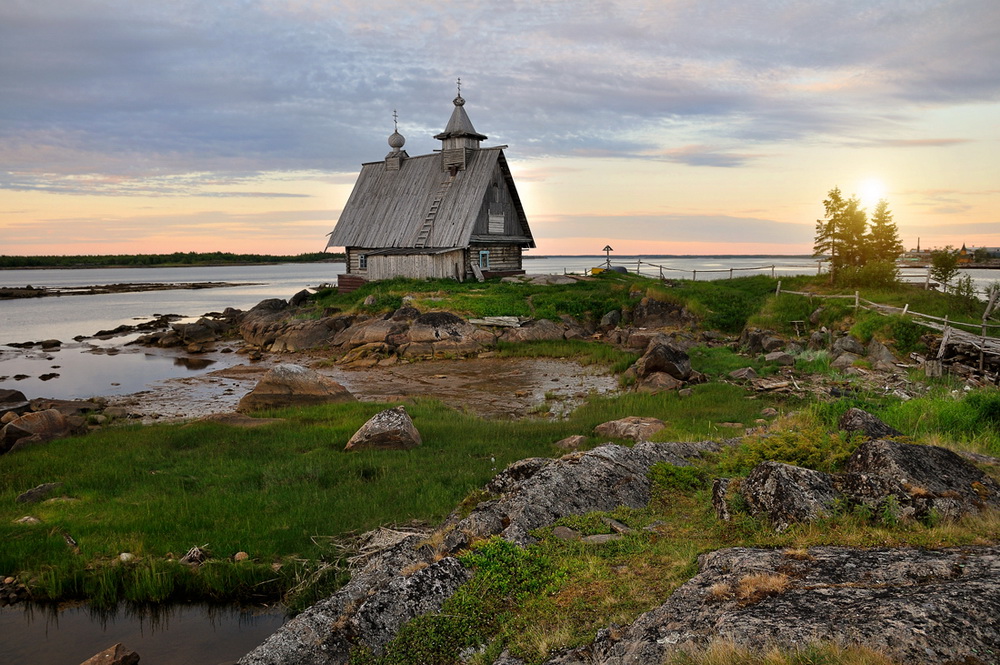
<point>584,352</point>
<point>282,493</point>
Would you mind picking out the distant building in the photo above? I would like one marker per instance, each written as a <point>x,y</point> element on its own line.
<point>449,214</point>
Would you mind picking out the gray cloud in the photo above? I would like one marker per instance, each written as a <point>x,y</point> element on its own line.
<point>141,90</point>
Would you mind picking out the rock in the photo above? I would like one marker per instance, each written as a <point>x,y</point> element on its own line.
<point>663,356</point>
<point>818,340</point>
<point>632,427</point>
<point>910,604</point>
<point>721,491</point>
<point>292,385</point>
<point>566,533</point>
<point>847,344</point>
<point>845,360</point>
<point>38,493</point>
<point>857,420</point>
<point>780,358</point>
<point>571,442</point>
<point>600,538</point>
<point>757,341</point>
<point>769,412</point>
<point>788,494</point>
<point>116,655</point>
<point>299,298</point>
<point>8,395</point>
<point>67,407</point>
<point>369,300</point>
<point>126,557</point>
<point>658,382</point>
<point>498,321</point>
<point>34,427</point>
<point>27,519</point>
<point>405,313</point>
<point>539,330</point>
<point>391,429</point>
<point>241,556</point>
<point>881,357</point>
<point>935,478</point>
<point>814,317</point>
<point>652,313</point>
<point>611,319</point>
<point>744,373</point>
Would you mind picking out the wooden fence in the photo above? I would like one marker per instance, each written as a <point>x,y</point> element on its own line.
<point>656,269</point>
<point>951,330</point>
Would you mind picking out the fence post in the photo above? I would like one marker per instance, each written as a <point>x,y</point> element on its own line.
<point>927,279</point>
<point>906,308</point>
<point>638,263</point>
<point>730,273</point>
<point>778,292</point>
<point>857,300</point>
<point>772,272</point>
<point>694,275</point>
<point>661,272</point>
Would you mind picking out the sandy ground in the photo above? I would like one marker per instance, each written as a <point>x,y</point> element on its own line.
<point>490,387</point>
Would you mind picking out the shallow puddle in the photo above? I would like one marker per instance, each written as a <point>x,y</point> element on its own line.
<point>172,635</point>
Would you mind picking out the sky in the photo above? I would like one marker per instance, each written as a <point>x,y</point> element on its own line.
<point>659,127</point>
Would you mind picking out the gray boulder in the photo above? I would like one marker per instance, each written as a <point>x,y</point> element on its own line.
<point>34,427</point>
<point>664,356</point>
<point>293,385</point>
<point>391,429</point>
<point>780,358</point>
<point>787,494</point>
<point>847,344</point>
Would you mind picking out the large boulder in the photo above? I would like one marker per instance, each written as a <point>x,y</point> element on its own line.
<point>34,427</point>
<point>935,478</point>
<point>391,429</point>
<point>636,428</point>
<point>847,344</point>
<point>293,385</point>
<point>787,494</point>
<point>911,604</point>
<point>662,355</point>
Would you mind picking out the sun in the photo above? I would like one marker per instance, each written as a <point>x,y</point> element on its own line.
<point>870,191</point>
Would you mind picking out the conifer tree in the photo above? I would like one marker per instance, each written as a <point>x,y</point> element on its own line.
<point>841,233</point>
<point>883,237</point>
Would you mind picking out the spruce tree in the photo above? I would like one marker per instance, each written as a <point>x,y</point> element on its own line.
<point>883,237</point>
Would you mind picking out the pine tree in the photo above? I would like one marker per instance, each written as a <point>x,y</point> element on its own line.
<point>883,237</point>
<point>841,233</point>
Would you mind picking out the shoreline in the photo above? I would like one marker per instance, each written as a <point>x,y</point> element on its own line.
<point>18,293</point>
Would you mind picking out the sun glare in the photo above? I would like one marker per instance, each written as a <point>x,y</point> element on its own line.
<point>870,191</point>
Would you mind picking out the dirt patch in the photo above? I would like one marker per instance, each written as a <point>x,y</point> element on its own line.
<point>488,387</point>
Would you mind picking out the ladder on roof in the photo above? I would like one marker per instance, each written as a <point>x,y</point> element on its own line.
<point>425,228</point>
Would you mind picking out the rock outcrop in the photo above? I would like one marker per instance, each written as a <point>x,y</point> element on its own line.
<point>909,481</point>
<point>292,385</point>
<point>527,495</point>
<point>637,428</point>
<point>913,605</point>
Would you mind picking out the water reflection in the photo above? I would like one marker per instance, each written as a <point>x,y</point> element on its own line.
<point>198,634</point>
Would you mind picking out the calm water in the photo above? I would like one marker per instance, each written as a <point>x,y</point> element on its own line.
<point>177,635</point>
<point>85,370</point>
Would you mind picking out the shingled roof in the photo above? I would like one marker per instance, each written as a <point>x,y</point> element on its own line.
<point>388,208</point>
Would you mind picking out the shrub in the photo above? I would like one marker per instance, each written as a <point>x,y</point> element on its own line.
<point>668,477</point>
<point>809,447</point>
<point>874,274</point>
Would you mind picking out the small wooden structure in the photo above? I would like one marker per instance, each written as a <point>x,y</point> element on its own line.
<point>449,214</point>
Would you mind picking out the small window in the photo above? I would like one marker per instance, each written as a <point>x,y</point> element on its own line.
<point>362,262</point>
<point>484,259</point>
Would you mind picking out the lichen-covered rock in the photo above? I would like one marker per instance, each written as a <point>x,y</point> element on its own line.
<point>788,494</point>
<point>535,331</point>
<point>857,420</point>
<point>658,382</point>
<point>637,428</point>
<point>391,429</point>
<point>916,606</point>
<point>936,478</point>
<point>847,344</point>
<point>293,385</point>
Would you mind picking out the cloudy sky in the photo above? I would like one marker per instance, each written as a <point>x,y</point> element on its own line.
<point>667,126</point>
